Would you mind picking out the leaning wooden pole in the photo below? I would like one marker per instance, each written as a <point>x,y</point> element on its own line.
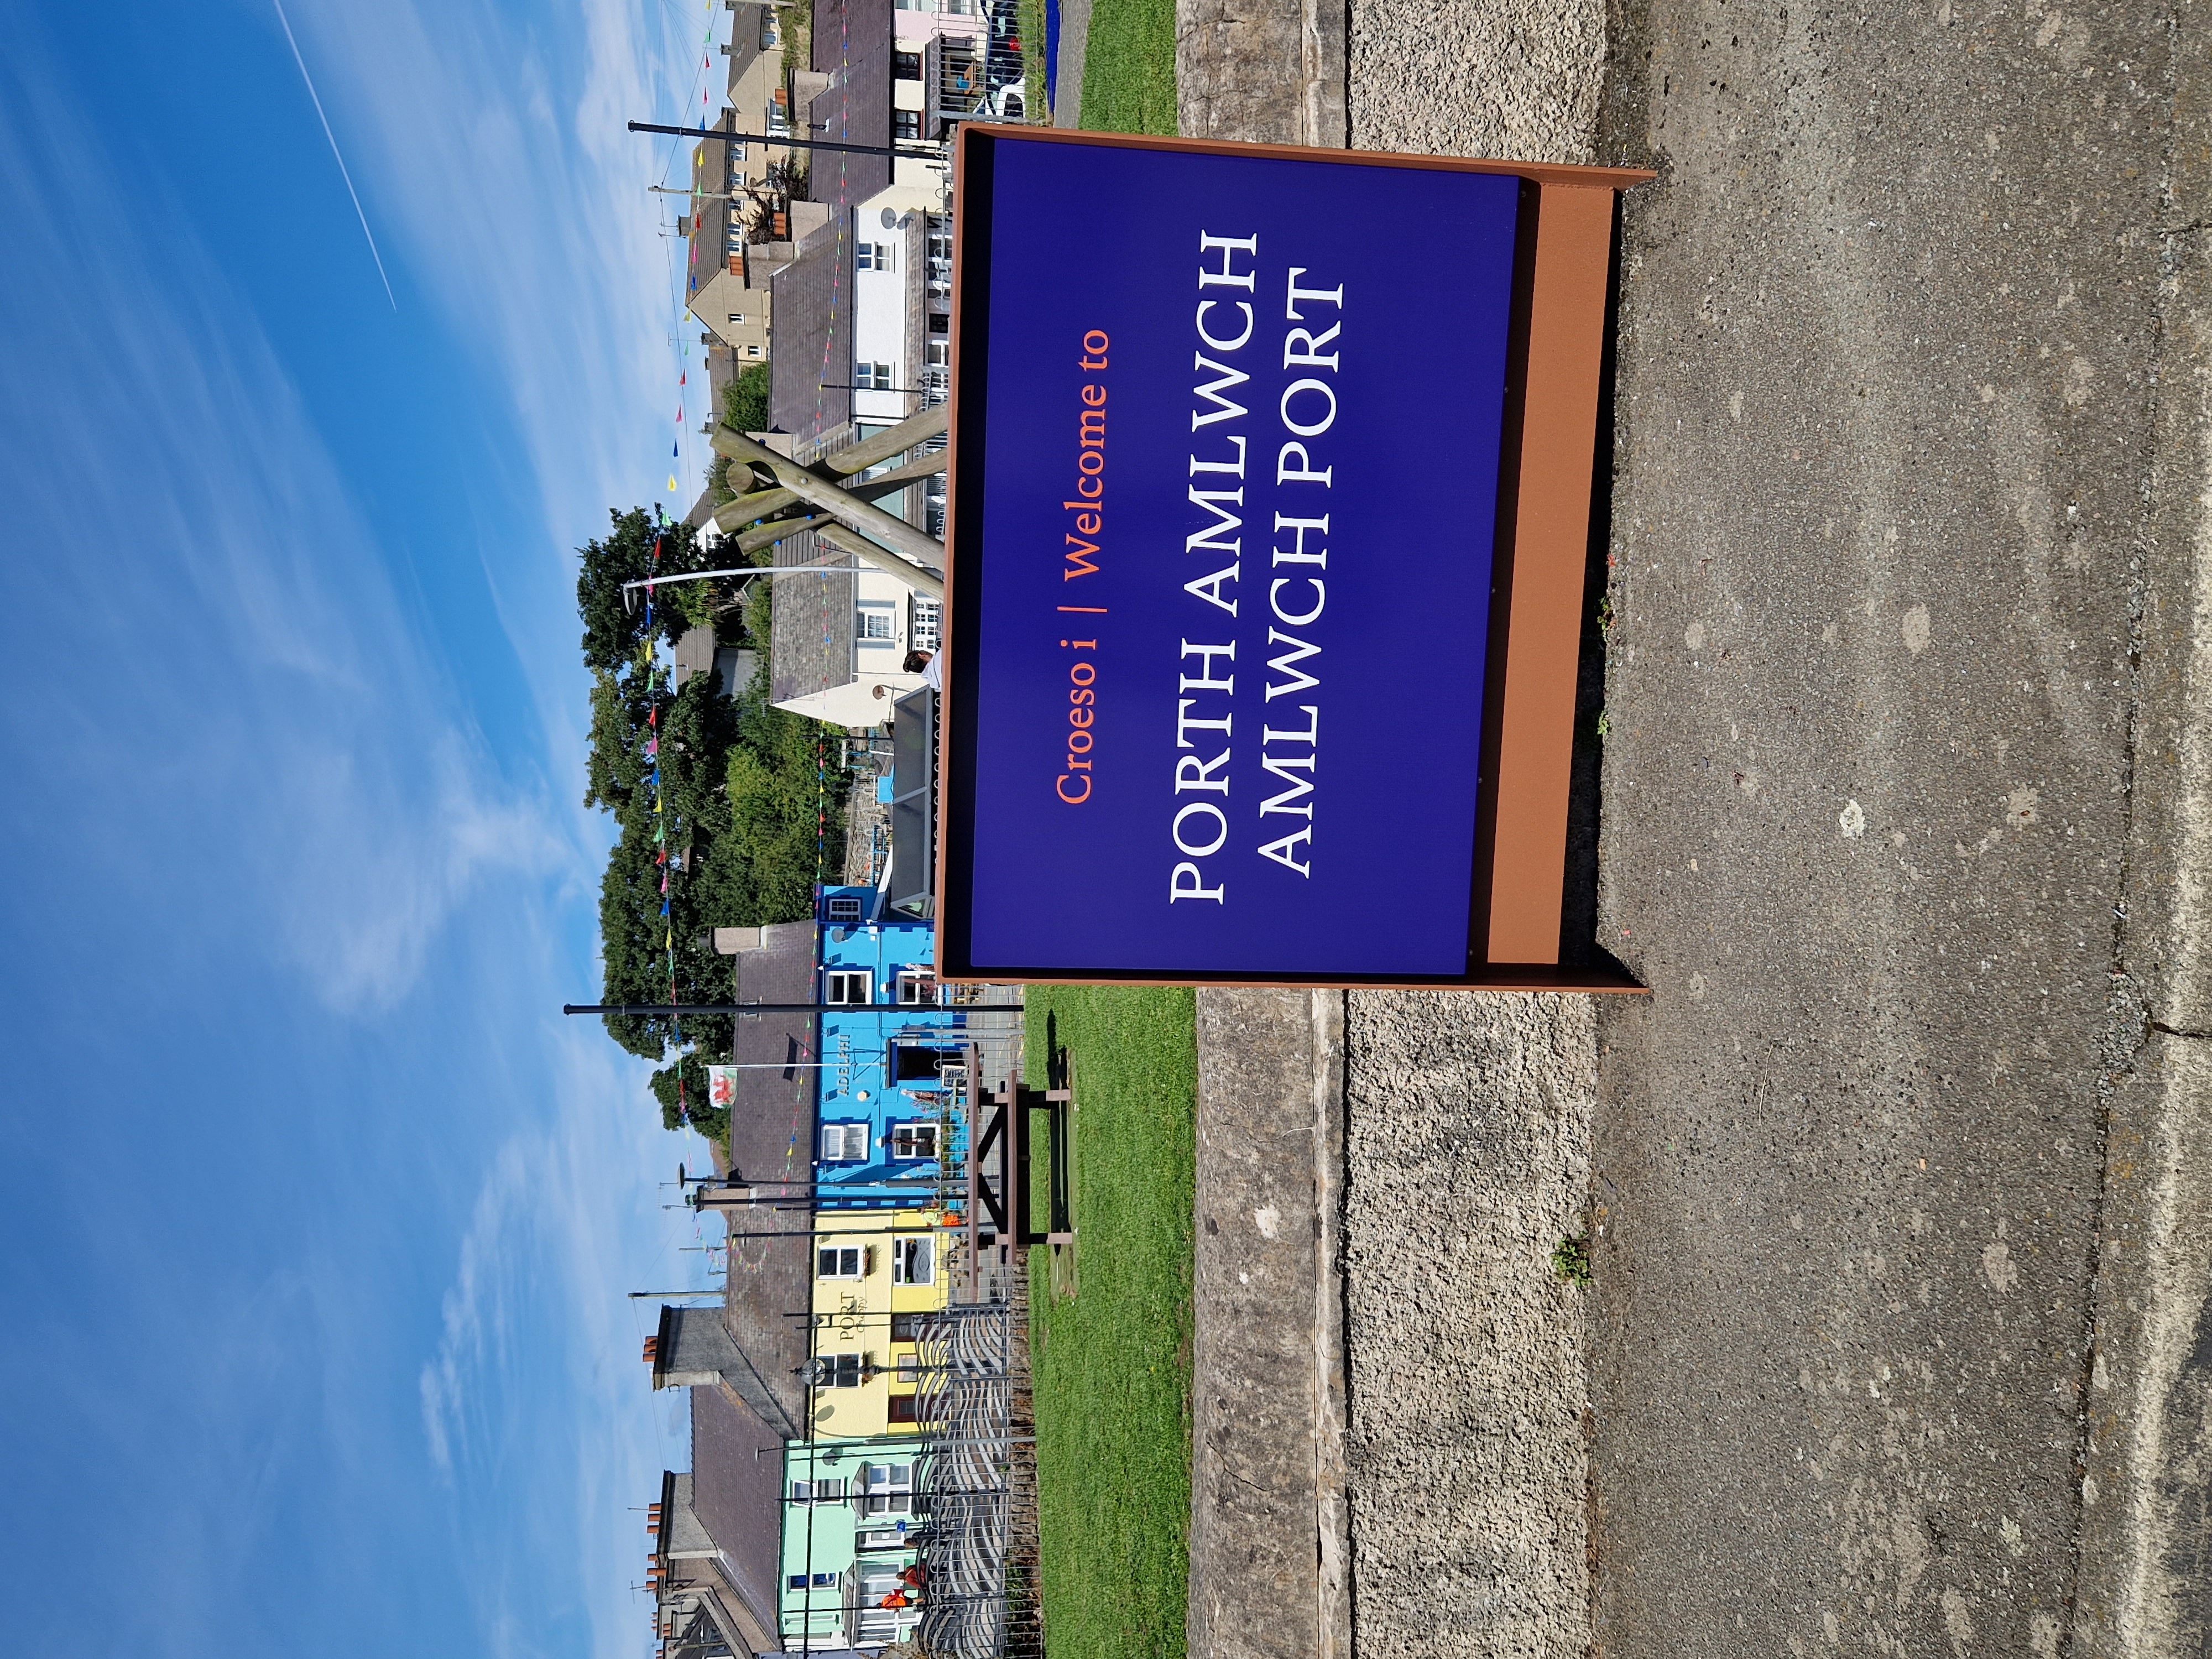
<point>895,534</point>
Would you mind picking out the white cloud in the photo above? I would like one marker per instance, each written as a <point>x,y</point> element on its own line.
<point>566,1223</point>
<point>261,698</point>
<point>495,144</point>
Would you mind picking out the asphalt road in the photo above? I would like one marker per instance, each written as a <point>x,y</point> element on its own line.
<point>1909,456</point>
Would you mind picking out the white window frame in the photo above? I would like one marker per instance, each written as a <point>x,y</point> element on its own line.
<point>915,1131</point>
<point>914,1261</point>
<point>925,627</point>
<point>844,1143</point>
<point>873,1496</point>
<point>867,616</point>
<point>917,988</point>
<point>840,1261</point>
<point>838,1370</point>
<point>839,985</point>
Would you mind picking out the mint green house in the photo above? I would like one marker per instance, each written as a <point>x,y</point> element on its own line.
<point>850,1533</point>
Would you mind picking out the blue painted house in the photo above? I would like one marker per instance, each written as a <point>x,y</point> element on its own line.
<point>885,1133</point>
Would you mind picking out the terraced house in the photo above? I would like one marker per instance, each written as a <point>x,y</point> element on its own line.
<point>878,1275</point>
<point>850,1547</point>
<point>886,1136</point>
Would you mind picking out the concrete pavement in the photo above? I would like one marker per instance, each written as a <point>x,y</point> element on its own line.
<point>1899,1340</point>
<point>1907,478</point>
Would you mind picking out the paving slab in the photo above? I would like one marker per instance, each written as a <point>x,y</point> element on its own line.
<point>1263,71</point>
<point>1267,1534</point>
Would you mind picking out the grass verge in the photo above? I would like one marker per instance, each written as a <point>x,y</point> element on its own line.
<point>1112,1362</point>
<point>1128,67</point>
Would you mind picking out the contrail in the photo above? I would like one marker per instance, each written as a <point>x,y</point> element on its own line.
<point>332,136</point>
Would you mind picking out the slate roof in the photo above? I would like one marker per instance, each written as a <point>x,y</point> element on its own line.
<point>812,300</point>
<point>811,633</point>
<point>772,1137</point>
<point>852,46</point>
<point>736,1483</point>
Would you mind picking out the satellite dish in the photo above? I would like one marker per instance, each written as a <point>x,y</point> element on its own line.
<point>890,219</point>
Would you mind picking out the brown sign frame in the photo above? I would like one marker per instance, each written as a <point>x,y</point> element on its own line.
<point>1546,488</point>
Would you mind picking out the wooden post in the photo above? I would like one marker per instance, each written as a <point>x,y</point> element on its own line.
<point>902,538</point>
<point>1551,552</point>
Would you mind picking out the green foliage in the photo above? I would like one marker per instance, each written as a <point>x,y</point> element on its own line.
<point>1570,1258</point>
<point>688,1100</point>
<point>1128,67</point>
<point>1029,19</point>
<point>1111,1365</point>
<point>734,843</point>
<point>744,400</point>
<point>785,774</point>
<point>614,632</point>
<point>697,729</point>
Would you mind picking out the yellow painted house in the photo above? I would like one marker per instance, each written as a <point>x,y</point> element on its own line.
<point>876,1273</point>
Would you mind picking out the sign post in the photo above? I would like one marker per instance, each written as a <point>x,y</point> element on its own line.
<point>1268,466</point>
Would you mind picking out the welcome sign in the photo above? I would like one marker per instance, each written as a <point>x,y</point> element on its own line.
<point>1236,461</point>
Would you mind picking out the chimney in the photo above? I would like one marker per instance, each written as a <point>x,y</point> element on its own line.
<point>652,1349</point>
<point>653,1517</point>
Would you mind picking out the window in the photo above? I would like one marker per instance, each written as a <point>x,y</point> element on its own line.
<point>768,35</point>
<point>876,629</point>
<point>818,1491</point>
<point>940,355</point>
<point>844,909</point>
<point>939,322</point>
<point>840,1261</point>
<point>914,1261</point>
<point>917,988</point>
<point>874,256</point>
<point>906,66</point>
<point>913,1140</point>
<point>851,990</point>
<point>834,1370</point>
<point>909,1369</point>
<point>906,124</point>
<point>752,351</point>
<point>871,377</point>
<point>844,1143</point>
<point>798,1581</point>
<point>880,1538</point>
<point>903,1409</point>
<point>906,1328</point>
<point>923,632</point>
<point>913,1063</point>
<point>886,1489</point>
<point>738,319</point>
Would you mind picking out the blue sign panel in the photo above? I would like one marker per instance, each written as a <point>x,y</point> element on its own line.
<point>1226,489</point>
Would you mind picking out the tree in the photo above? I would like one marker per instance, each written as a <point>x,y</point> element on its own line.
<point>744,400</point>
<point>614,631</point>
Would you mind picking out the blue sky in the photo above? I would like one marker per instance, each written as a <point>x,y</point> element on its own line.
<point>318,1214</point>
